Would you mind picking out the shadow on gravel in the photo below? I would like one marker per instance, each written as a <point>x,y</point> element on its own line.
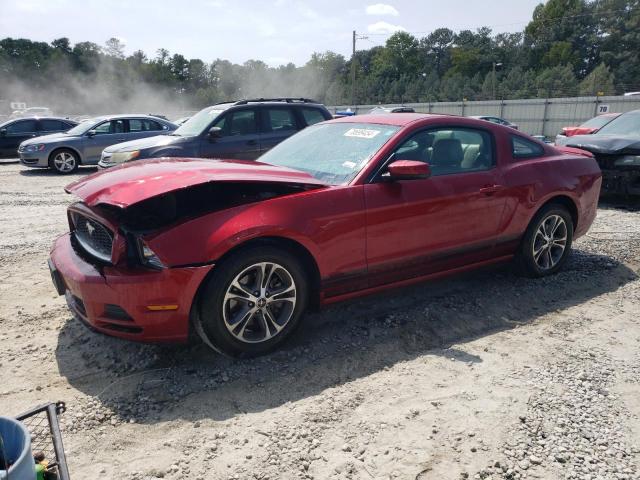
<point>45,172</point>
<point>343,343</point>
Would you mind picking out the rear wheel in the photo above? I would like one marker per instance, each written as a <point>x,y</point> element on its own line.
<point>253,302</point>
<point>547,242</point>
<point>64,161</point>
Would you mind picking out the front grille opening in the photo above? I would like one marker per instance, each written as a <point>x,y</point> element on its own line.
<point>116,312</point>
<point>93,237</point>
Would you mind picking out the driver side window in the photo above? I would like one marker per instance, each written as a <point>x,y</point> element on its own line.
<point>449,150</point>
<point>239,122</point>
<point>103,129</point>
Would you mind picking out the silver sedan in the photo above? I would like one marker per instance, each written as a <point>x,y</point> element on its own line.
<point>83,144</point>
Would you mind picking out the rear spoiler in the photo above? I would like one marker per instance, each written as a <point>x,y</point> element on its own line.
<point>574,151</point>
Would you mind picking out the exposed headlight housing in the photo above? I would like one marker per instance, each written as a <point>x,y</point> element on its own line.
<point>147,256</point>
<point>628,161</point>
<point>34,147</point>
<point>122,157</point>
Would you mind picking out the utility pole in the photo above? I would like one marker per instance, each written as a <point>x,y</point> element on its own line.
<point>353,72</point>
<point>493,82</point>
<point>353,67</point>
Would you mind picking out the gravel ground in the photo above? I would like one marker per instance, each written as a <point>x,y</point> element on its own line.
<point>482,376</point>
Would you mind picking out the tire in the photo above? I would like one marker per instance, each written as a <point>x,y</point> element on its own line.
<point>547,242</point>
<point>224,319</point>
<point>64,161</point>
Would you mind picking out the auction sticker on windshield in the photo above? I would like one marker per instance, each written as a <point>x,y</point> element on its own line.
<point>361,133</point>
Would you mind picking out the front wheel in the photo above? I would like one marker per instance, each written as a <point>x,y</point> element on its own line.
<point>64,161</point>
<point>253,302</point>
<point>547,242</point>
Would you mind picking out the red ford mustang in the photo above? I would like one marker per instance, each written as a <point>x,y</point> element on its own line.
<point>237,250</point>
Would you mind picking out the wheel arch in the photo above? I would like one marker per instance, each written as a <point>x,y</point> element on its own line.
<point>564,200</point>
<point>308,261</point>
<point>65,147</point>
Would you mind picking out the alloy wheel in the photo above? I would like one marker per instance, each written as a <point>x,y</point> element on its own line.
<point>549,242</point>
<point>64,162</point>
<point>259,302</point>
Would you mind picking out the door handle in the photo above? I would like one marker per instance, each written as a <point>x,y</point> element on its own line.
<point>252,142</point>
<point>491,189</point>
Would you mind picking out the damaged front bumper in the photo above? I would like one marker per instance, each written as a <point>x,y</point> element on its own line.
<point>620,173</point>
<point>621,182</point>
<point>132,303</point>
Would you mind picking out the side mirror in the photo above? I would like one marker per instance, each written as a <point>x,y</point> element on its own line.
<point>91,133</point>
<point>215,132</point>
<point>3,132</point>
<point>408,170</point>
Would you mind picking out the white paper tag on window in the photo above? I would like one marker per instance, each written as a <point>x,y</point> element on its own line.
<point>361,133</point>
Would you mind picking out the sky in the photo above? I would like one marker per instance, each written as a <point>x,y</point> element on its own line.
<point>274,31</point>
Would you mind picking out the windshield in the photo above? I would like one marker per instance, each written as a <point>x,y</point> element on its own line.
<point>196,124</point>
<point>83,127</point>
<point>331,152</point>
<point>597,122</point>
<point>627,124</point>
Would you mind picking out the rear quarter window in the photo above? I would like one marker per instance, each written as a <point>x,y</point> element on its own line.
<point>524,148</point>
<point>312,115</point>
<point>52,125</point>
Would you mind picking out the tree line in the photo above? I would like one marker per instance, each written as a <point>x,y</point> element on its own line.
<point>569,48</point>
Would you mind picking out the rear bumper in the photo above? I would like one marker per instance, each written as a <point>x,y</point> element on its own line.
<point>116,301</point>
<point>588,206</point>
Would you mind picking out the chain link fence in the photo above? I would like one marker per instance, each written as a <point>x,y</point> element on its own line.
<point>536,116</point>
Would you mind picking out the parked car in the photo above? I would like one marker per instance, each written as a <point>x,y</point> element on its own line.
<point>243,130</point>
<point>14,132</point>
<point>83,144</point>
<point>589,127</point>
<point>616,147</point>
<point>496,120</point>
<point>238,250</point>
<point>402,109</point>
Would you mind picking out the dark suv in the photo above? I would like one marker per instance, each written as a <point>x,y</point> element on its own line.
<point>240,130</point>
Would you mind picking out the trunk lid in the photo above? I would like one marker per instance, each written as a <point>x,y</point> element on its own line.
<point>135,182</point>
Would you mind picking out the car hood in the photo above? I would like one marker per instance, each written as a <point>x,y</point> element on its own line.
<point>605,144</point>
<point>134,182</point>
<point>149,142</point>
<point>51,138</point>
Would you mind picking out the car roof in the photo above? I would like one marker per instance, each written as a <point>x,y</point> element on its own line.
<point>128,115</point>
<point>101,118</point>
<point>38,117</point>
<point>285,101</point>
<point>399,119</point>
